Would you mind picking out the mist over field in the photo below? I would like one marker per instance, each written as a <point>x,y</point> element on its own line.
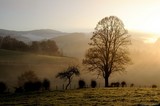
<point>80,52</point>
<point>144,70</point>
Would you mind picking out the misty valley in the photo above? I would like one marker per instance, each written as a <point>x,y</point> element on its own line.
<point>86,62</point>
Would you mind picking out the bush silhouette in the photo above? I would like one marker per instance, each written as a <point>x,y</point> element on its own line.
<point>46,84</point>
<point>28,86</point>
<point>115,84</point>
<point>123,83</point>
<point>154,86</point>
<point>132,85</point>
<point>19,90</point>
<point>32,86</point>
<point>37,86</point>
<point>27,76</point>
<point>93,83</point>
<point>82,84</point>
<point>112,84</point>
<point>3,87</point>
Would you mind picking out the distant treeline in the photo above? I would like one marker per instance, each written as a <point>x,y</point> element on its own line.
<point>46,47</point>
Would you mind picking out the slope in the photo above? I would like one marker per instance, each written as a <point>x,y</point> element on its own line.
<point>13,64</point>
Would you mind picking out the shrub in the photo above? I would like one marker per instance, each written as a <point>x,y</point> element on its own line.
<point>19,90</point>
<point>37,85</point>
<point>123,83</point>
<point>93,83</point>
<point>112,84</point>
<point>132,85</point>
<point>28,86</point>
<point>82,84</point>
<point>32,86</point>
<point>3,87</point>
<point>27,76</point>
<point>154,86</point>
<point>115,84</point>
<point>46,84</point>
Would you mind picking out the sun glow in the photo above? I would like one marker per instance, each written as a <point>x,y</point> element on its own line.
<point>150,40</point>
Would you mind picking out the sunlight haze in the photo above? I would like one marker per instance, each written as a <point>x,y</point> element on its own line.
<point>78,15</point>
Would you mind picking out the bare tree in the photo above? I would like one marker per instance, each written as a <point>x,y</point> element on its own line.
<point>68,74</point>
<point>108,52</point>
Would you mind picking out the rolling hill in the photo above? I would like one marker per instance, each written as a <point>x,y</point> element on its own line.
<point>74,44</point>
<point>33,35</point>
<point>13,64</point>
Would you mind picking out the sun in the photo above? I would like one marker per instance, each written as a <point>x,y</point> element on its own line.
<point>150,40</point>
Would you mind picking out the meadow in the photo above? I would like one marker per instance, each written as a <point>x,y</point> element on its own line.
<point>14,63</point>
<point>86,97</point>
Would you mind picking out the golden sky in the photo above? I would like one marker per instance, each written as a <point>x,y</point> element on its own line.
<point>78,15</point>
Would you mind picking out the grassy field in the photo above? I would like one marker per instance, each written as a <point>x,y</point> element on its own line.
<point>86,97</point>
<point>13,64</point>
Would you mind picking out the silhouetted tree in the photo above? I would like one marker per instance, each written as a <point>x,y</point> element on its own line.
<point>28,76</point>
<point>82,84</point>
<point>46,84</point>
<point>3,87</point>
<point>48,47</point>
<point>123,83</point>
<point>68,74</point>
<point>10,43</point>
<point>108,52</point>
<point>93,83</point>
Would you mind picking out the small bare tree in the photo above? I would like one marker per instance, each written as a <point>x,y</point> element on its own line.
<point>68,74</point>
<point>108,51</point>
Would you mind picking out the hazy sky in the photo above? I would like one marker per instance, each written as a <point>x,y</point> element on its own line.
<point>78,15</point>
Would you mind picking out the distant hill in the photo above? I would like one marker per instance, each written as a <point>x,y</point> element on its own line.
<point>74,44</point>
<point>14,34</point>
<point>33,35</point>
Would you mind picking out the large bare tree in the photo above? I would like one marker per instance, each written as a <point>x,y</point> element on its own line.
<point>108,52</point>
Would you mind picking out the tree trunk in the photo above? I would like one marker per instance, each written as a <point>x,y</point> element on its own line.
<point>106,81</point>
<point>69,81</point>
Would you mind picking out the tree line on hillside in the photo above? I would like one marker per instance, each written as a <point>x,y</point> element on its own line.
<point>46,47</point>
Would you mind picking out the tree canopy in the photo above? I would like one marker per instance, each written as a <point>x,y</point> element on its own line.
<point>68,74</point>
<point>108,52</point>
